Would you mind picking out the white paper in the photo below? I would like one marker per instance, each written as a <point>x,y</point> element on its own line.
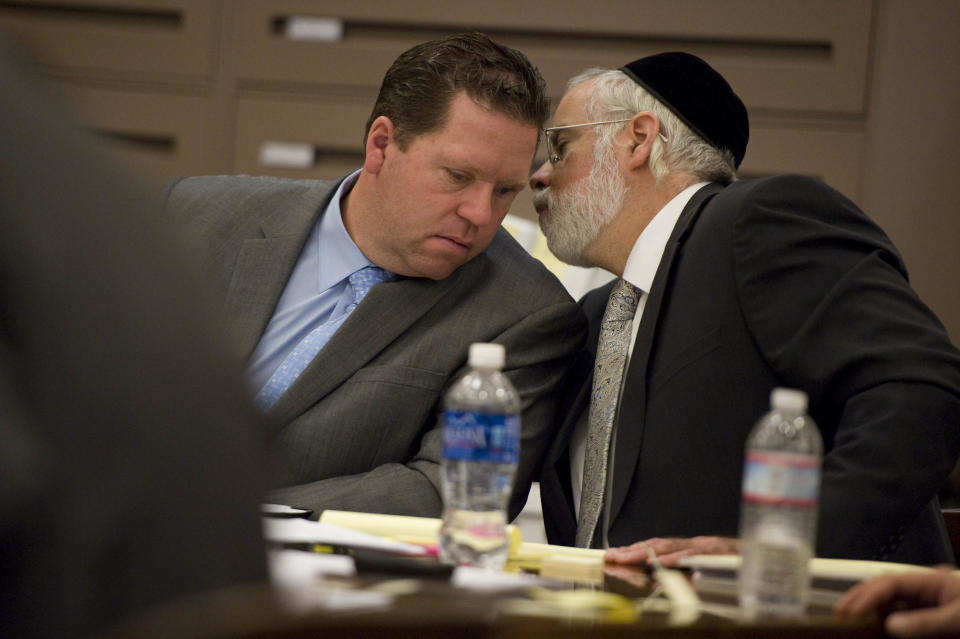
<point>303,600</point>
<point>851,569</point>
<point>280,509</point>
<point>483,579</point>
<point>303,531</point>
<point>296,567</point>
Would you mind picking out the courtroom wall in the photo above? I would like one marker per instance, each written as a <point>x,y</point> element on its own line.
<point>860,93</point>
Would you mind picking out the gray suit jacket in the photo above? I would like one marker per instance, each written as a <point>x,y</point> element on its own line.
<point>358,430</point>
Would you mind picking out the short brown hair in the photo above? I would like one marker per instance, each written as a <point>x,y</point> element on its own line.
<point>419,86</point>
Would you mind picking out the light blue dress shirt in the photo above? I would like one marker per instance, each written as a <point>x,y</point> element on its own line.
<point>316,291</point>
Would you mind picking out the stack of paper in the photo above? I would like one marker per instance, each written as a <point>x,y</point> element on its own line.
<point>424,531</point>
<point>303,531</point>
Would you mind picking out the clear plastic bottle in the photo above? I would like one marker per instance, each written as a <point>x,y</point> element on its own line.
<point>778,514</point>
<point>481,447</point>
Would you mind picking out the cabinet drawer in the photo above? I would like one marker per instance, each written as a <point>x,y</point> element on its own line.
<point>300,137</point>
<point>162,135</point>
<point>171,39</point>
<point>794,55</point>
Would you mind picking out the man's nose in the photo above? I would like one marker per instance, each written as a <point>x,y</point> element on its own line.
<point>476,207</point>
<point>541,177</point>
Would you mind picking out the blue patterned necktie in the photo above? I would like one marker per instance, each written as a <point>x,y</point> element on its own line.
<point>608,368</point>
<point>300,357</point>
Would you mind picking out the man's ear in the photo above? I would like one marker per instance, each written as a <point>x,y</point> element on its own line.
<point>643,131</point>
<point>379,139</point>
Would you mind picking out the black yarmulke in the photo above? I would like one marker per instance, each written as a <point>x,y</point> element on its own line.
<point>698,95</point>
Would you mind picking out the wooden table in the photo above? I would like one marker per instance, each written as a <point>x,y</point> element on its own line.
<point>432,608</point>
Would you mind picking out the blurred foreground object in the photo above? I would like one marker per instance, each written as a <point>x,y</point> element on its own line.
<point>128,453</point>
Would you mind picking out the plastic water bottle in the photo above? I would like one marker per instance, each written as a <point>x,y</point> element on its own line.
<point>481,444</point>
<point>778,517</point>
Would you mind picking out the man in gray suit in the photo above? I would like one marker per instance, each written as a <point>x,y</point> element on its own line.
<point>353,421</point>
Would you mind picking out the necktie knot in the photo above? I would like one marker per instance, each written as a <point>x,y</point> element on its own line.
<point>622,304</point>
<point>361,281</point>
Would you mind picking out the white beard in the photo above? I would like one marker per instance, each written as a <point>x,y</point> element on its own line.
<point>576,216</point>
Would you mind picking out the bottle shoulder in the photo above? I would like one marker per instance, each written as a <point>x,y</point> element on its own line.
<point>786,431</point>
<point>483,389</point>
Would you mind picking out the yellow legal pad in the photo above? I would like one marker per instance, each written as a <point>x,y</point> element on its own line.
<point>424,531</point>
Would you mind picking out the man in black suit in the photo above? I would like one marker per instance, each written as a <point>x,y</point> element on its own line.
<point>128,450</point>
<point>742,286</point>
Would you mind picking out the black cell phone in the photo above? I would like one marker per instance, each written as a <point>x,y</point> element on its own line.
<point>374,561</point>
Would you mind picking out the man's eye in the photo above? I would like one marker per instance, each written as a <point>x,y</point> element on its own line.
<point>456,176</point>
<point>507,190</point>
<point>559,149</point>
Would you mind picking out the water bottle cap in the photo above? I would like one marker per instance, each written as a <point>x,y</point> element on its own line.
<point>483,355</point>
<point>788,399</point>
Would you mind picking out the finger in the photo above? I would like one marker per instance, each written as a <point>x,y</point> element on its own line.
<point>702,548</point>
<point>870,595</point>
<point>863,598</point>
<point>916,623</point>
<point>666,545</point>
<point>633,554</point>
<point>916,588</point>
<point>638,552</point>
<point>847,603</point>
<point>720,545</point>
<point>672,559</point>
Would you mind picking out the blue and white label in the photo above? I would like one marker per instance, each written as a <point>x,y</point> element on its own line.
<point>781,478</point>
<point>469,436</point>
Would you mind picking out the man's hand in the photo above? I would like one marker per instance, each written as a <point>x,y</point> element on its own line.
<point>671,549</point>
<point>925,603</point>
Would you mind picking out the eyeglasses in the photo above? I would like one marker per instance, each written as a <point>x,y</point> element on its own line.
<point>554,150</point>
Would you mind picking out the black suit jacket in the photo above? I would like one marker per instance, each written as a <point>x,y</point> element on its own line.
<point>777,282</point>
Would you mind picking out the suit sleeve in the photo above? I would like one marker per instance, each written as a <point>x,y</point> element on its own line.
<point>539,348</point>
<point>826,297</point>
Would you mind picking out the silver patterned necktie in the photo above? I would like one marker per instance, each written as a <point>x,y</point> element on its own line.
<point>612,346</point>
<point>361,281</point>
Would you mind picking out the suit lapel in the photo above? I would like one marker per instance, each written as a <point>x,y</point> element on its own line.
<point>387,311</point>
<point>630,416</point>
<point>265,263</point>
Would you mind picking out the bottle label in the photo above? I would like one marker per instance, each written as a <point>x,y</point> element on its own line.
<point>471,436</point>
<point>786,479</point>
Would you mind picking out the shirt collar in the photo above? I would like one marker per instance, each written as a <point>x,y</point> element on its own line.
<point>644,258</point>
<point>339,255</point>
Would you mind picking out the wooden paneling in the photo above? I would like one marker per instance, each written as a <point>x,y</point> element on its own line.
<point>796,55</point>
<point>200,86</point>
<point>163,134</point>
<point>831,152</point>
<point>800,66</point>
<point>137,40</point>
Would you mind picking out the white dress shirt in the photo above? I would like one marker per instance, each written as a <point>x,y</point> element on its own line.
<point>640,269</point>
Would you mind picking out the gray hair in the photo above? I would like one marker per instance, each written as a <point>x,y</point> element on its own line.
<point>615,95</point>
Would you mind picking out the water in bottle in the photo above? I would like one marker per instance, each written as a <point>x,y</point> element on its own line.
<point>480,450</point>
<point>778,517</point>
